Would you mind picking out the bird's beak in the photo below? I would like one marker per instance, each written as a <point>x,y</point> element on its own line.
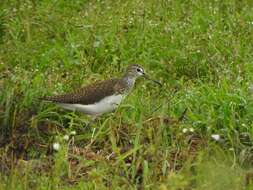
<point>155,81</point>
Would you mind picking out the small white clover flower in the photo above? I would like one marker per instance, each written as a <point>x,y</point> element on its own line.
<point>66,137</point>
<point>191,130</point>
<point>184,130</point>
<point>56,146</point>
<point>73,133</point>
<point>215,137</point>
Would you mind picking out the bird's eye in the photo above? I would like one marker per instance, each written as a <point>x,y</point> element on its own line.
<point>138,70</point>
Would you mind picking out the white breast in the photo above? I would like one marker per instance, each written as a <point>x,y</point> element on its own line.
<point>105,105</point>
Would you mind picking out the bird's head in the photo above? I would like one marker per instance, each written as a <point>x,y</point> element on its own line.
<point>135,71</point>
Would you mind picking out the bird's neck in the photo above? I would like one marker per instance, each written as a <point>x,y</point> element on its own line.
<point>129,81</point>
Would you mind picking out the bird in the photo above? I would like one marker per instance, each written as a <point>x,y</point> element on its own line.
<point>101,97</point>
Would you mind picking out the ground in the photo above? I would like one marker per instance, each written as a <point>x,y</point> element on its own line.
<point>194,132</point>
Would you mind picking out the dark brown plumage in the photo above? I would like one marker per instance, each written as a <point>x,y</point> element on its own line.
<point>90,94</point>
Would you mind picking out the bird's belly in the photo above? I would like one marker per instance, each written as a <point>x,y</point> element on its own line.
<point>105,105</point>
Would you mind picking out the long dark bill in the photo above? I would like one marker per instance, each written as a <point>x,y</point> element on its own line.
<point>155,81</point>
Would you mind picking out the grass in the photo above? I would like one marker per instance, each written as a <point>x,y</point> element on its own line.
<point>200,50</point>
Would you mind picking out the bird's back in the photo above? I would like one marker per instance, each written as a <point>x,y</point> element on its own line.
<point>89,94</point>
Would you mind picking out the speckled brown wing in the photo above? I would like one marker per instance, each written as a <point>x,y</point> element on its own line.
<point>88,94</point>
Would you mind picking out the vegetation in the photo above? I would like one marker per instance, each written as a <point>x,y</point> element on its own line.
<point>200,50</point>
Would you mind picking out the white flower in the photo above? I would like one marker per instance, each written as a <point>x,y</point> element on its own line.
<point>73,132</point>
<point>191,130</point>
<point>66,137</point>
<point>56,146</point>
<point>216,137</point>
<point>185,130</point>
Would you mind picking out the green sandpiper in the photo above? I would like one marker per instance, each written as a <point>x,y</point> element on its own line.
<point>103,96</point>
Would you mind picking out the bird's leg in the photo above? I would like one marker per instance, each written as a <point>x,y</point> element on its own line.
<point>93,120</point>
<point>93,132</point>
